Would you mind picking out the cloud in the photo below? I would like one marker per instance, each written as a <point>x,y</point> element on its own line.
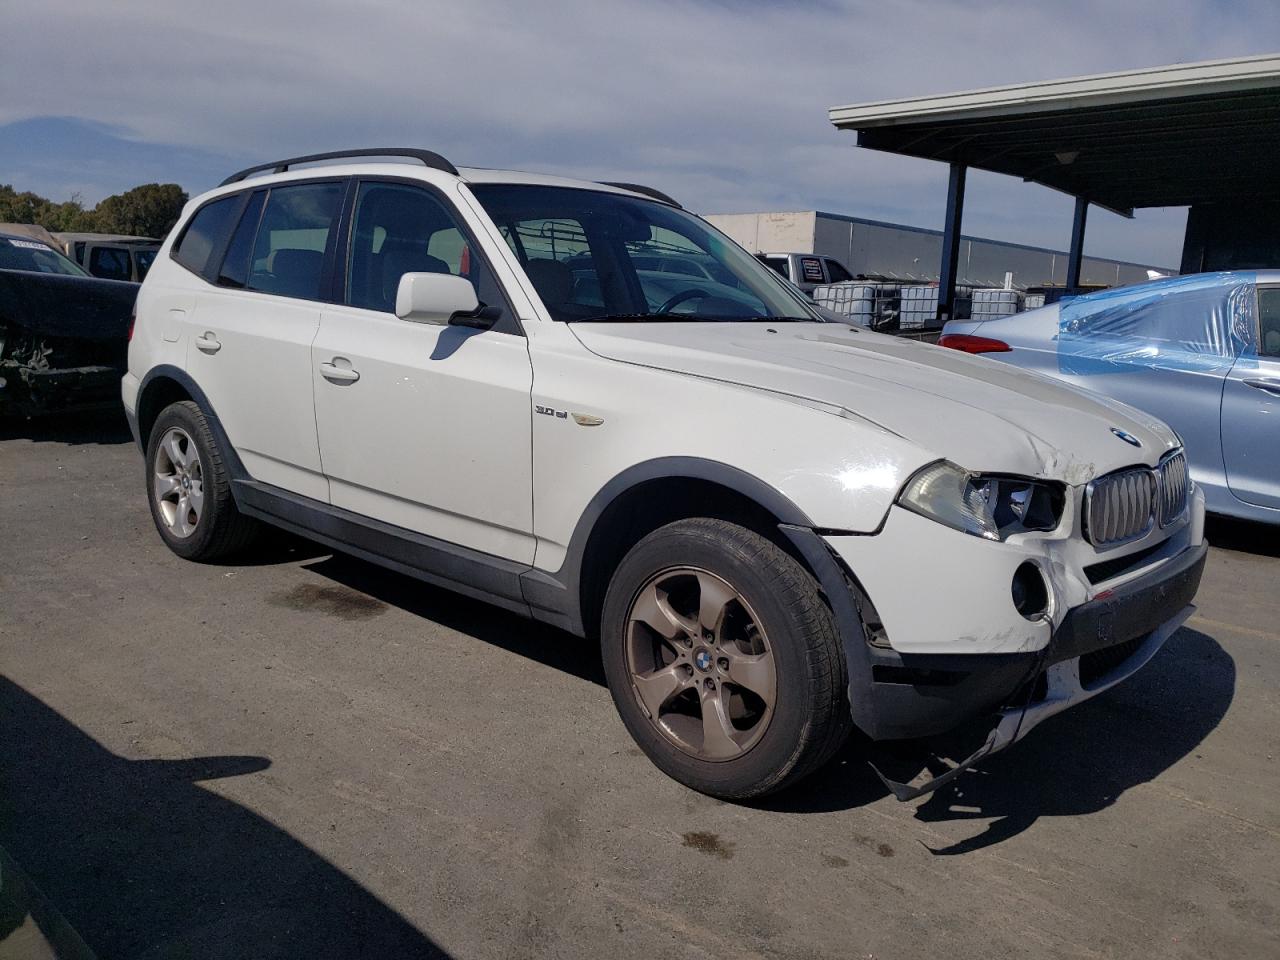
<point>722,104</point>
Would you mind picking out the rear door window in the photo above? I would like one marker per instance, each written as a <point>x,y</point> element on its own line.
<point>1269,321</point>
<point>811,270</point>
<point>288,252</point>
<point>235,265</point>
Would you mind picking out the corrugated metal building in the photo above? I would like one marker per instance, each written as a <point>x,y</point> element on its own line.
<point>896,251</point>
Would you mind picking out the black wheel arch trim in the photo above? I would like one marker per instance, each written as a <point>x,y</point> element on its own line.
<point>169,372</point>
<point>556,598</point>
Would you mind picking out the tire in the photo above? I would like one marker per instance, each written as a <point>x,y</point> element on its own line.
<point>176,475</point>
<point>741,746</point>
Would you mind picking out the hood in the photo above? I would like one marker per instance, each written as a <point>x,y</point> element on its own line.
<point>983,415</point>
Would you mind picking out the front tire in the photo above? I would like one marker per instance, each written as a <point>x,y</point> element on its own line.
<point>189,489</point>
<point>723,660</point>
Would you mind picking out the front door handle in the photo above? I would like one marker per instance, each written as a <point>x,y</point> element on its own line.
<point>208,343</point>
<point>1266,386</point>
<point>339,371</point>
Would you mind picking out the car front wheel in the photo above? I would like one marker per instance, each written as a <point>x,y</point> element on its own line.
<point>723,659</point>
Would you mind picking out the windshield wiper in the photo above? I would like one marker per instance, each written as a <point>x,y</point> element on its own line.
<point>637,317</point>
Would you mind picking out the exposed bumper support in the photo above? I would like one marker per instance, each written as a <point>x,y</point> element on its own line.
<point>1064,690</point>
<point>901,696</point>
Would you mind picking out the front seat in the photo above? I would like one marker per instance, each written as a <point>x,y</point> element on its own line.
<point>401,257</point>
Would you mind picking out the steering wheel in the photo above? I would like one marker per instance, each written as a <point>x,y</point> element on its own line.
<point>693,293</point>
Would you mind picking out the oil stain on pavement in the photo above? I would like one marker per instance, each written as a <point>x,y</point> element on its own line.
<point>339,602</point>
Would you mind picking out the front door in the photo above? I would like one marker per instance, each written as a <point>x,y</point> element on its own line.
<point>424,427</point>
<point>1251,412</point>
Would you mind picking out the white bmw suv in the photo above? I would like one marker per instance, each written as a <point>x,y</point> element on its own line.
<point>778,528</point>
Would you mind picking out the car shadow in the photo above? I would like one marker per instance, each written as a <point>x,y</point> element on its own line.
<point>528,638</point>
<point>144,862</point>
<point>104,425</point>
<point>1074,764</point>
<point>1246,536</point>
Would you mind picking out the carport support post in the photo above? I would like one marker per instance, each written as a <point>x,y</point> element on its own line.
<point>1076,254</point>
<point>951,243</point>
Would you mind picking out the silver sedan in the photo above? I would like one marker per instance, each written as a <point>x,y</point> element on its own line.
<point>1201,352</point>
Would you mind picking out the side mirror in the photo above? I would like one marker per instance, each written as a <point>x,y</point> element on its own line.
<point>434,298</point>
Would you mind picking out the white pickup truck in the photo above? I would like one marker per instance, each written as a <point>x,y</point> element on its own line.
<point>806,270</point>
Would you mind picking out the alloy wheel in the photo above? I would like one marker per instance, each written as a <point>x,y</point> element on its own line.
<point>701,666</point>
<point>178,484</point>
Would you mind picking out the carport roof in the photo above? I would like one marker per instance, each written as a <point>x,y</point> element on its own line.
<point>1167,136</point>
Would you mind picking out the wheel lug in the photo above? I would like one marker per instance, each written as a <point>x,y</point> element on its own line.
<point>686,670</point>
<point>723,663</point>
<point>709,683</point>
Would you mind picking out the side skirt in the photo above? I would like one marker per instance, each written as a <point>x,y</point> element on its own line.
<point>469,572</point>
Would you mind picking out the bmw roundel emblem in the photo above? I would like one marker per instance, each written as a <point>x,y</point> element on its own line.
<point>703,660</point>
<point>1128,438</point>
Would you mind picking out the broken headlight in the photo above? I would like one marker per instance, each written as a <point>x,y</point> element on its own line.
<point>992,507</point>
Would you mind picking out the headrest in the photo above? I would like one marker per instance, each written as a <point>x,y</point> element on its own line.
<point>296,273</point>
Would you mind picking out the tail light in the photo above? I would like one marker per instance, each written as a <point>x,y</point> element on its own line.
<point>971,344</point>
<point>133,318</point>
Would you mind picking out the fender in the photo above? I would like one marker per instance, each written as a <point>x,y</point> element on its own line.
<point>230,459</point>
<point>556,597</point>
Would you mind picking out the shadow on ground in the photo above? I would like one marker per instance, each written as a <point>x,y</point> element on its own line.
<point>1074,764</point>
<point>145,863</point>
<point>1228,533</point>
<point>527,638</point>
<point>103,425</point>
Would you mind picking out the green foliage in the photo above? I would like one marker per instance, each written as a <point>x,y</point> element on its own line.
<point>146,211</point>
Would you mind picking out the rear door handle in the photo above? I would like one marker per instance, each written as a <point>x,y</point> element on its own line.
<point>208,343</point>
<point>1266,386</point>
<point>338,370</point>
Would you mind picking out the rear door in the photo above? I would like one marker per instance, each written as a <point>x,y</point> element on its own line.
<point>249,344</point>
<point>1251,412</point>
<point>424,427</point>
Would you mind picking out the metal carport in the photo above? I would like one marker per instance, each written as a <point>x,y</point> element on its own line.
<point>1204,135</point>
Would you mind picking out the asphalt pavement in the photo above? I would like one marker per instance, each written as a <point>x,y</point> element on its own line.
<point>302,755</point>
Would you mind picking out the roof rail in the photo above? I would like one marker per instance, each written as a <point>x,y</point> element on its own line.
<point>647,191</point>
<point>433,160</point>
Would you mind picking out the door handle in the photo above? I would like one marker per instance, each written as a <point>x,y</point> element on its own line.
<point>1266,386</point>
<point>334,373</point>
<point>207,342</point>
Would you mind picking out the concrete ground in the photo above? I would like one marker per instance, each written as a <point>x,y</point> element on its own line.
<point>304,756</point>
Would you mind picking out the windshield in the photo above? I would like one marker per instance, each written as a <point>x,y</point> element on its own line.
<point>33,255</point>
<point>606,256</point>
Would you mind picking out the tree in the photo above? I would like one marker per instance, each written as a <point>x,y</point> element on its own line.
<point>150,210</point>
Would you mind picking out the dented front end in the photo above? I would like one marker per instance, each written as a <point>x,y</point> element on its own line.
<point>953,626</point>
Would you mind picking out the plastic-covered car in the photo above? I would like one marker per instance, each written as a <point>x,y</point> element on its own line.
<point>1201,352</point>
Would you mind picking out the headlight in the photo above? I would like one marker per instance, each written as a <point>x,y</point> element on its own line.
<point>993,507</point>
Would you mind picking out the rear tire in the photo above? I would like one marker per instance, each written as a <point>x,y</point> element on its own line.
<point>189,489</point>
<point>723,659</point>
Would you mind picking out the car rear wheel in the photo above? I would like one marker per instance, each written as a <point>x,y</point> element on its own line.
<point>189,489</point>
<point>723,659</point>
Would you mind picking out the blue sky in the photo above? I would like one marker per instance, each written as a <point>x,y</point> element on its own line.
<point>721,104</point>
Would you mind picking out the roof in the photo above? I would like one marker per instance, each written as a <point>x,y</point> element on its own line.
<point>1166,136</point>
<point>104,237</point>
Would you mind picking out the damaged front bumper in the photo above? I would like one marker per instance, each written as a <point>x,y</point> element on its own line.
<point>1095,645</point>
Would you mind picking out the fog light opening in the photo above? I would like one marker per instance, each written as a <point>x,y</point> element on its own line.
<point>1030,592</point>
